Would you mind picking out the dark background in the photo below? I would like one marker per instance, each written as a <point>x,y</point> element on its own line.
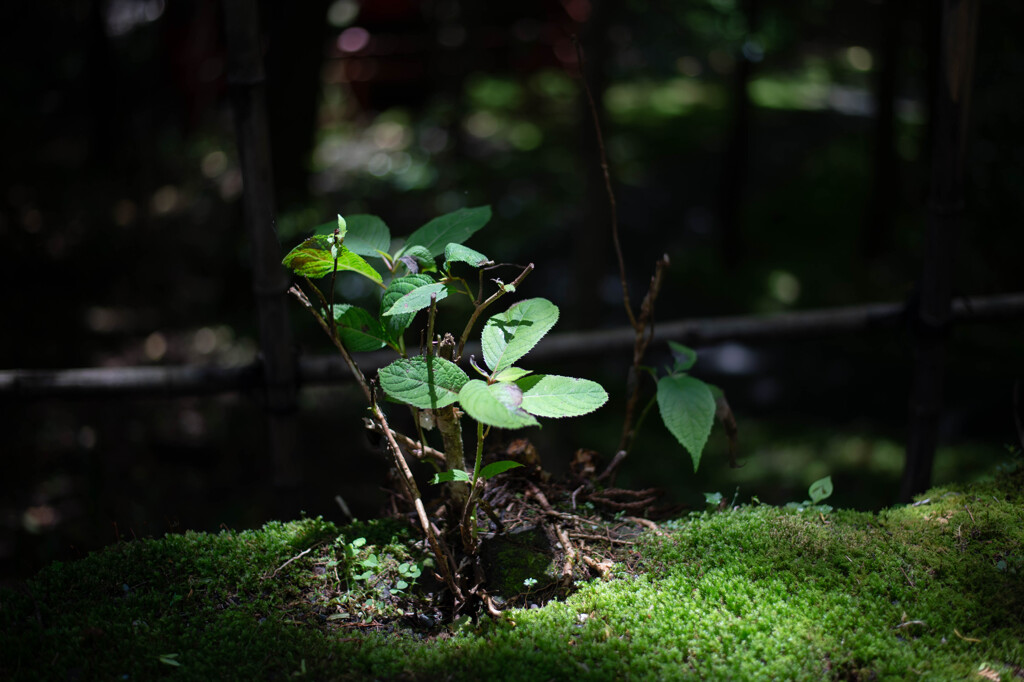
<point>123,242</point>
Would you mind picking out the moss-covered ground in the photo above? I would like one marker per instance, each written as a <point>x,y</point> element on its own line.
<point>933,590</point>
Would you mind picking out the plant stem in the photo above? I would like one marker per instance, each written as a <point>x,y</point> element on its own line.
<point>480,307</point>
<point>414,493</point>
<point>356,372</point>
<point>451,433</point>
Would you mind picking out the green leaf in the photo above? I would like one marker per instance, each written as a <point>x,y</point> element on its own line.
<point>313,258</point>
<point>684,357</point>
<point>688,410</point>
<point>417,299</point>
<point>512,374</point>
<point>367,235</point>
<point>457,253</point>
<point>455,227</point>
<point>497,405</point>
<point>358,330</point>
<point>820,489</point>
<point>510,335</point>
<point>495,468</point>
<point>395,325</point>
<point>449,476</point>
<point>557,396</point>
<point>426,383</point>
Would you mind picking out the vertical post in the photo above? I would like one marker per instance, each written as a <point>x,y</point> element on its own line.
<point>945,208</point>
<point>735,170</point>
<point>269,280</point>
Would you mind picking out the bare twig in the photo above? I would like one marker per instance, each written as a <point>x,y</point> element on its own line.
<point>607,184</point>
<point>297,556</point>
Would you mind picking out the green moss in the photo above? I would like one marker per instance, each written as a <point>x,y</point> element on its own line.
<point>932,591</point>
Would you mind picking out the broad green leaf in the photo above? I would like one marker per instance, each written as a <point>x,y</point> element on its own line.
<point>510,335</point>
<point>495,468</point>
<point>358,329</point>
<point>512,374</point>
<point>395,325</point>
<point>688,410</point>
<point>457,253</point>
<point>417,299</point>
<point>495,404</point>
<point>557,396</point>
<point>426,383</point>
<point>456,227</point>
<point>684,357</point>
<point>820,489</point>
<point>449,476</point>
<point>367,235</point>
<point>313,258</point>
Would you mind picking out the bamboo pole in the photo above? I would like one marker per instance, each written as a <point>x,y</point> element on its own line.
<point>169,382</point>
<point>270,282</point>
<point>945,209</point>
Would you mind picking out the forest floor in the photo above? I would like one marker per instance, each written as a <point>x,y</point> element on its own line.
<point>931,590</point>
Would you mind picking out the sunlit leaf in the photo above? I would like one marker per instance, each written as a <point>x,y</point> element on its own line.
<point>449,476</point>
<point>313,258</point>
<point>688,409</point>
<point>457,253</point>
<point>497,404</point>
<point>395,325</point>
<point>557,396</point>
<point>510,335</point>
<point>512,374</point>
<point>426,383</point>
<point>455,227</point>
<point>417,299</point>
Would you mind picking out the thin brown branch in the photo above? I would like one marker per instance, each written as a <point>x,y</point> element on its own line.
<point>607,185</point>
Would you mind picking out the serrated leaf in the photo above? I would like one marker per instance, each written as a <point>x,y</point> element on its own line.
<point>455,227</point>
<point>417,299</point>
<point>426,383</point>
<point>395,325</point>
<point>313,258</point>
<point>510,335</point>
<point>512,374</point>
<point>683,356</point>
<point>497,404</point>
<point>449,476</point>
<point>457,253</point>
<point>820,489</point>
<point>688,410</point>
<point>495,468</point>
<point>358,330</point>
<point>551,395</point>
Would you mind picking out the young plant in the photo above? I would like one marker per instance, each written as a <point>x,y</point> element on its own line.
<point>431,383</point>
<point>689,406</point>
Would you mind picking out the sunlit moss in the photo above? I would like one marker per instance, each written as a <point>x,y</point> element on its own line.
<point>929,591</point>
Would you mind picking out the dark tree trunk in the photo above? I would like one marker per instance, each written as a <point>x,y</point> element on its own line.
<point>933,315</point>
<point>885,171</point>
<point>269,279</point>
<point>737,154</point>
